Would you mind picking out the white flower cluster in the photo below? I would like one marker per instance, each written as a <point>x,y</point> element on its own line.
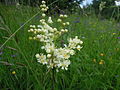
<point>54,57</point>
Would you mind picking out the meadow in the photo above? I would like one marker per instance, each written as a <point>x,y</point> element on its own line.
<point>95,67</point>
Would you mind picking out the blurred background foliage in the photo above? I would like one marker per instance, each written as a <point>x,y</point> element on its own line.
<point>62,6</point>
<point>102,8</point>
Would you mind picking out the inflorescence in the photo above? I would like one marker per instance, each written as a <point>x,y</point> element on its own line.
<point>45,32</point>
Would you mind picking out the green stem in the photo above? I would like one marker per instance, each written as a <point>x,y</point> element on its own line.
<point>53,79</point>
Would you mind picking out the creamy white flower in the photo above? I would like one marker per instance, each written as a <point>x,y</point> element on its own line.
<point>42,59</point>
<point>72,52</point>
<point>74,42</point>
<point>64,64</point>
<point>79,47</point>
<point>49,47</point>
<point>50,20</point>
<point>43,15</point>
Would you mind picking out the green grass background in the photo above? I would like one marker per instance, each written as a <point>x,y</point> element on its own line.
<point>99,36</point>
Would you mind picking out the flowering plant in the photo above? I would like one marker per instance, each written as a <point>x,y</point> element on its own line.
<point>45,32</point>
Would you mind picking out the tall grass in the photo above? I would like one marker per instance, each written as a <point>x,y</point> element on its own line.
<point>96,67</point>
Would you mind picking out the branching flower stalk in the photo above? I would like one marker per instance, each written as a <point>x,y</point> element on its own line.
<point>55,57</point>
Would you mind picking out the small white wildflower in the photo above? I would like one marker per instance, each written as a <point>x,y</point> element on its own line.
<point>50,20</point>
<point>79,47</point>
<point>72,52</point>
<point>64,64</point>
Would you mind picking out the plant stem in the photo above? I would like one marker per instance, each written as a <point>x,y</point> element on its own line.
<point>53,79</point>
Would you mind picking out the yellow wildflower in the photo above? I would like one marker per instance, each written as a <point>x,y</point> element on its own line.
<point>101,54</point>
<point>101,62</point>
<point>13,72</point>
<point>94,60</point>
<point>113,33</point>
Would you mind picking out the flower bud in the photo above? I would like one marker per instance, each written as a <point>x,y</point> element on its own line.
<point>67,23</point>
<point>37,56</point>
<point>30,38</point>
<point>49,55</point>
<point>64,24</point>
<point>43,2</point>
<point>59,20</point>
<point>61,15</point>
<point>41,6</point>
<point>62,30</point>
<point>65,16</point>
<point>50,20</point>
<point>66,30</point>
<point>55,29</point>
<point>43,15</point>
<point>28,30</point>
<point>44,5</point>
